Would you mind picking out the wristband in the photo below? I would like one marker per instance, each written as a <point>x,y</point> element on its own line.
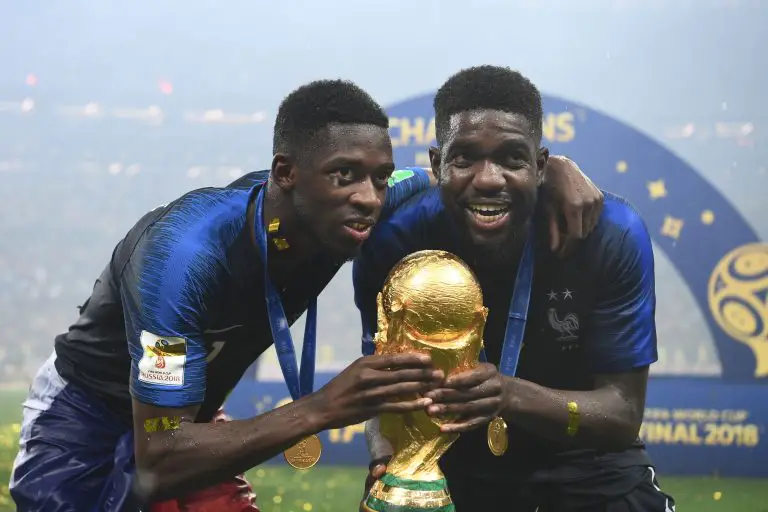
<point>573,418</point>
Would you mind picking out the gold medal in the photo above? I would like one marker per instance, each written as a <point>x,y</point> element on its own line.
<point>305,453</point>
<point>498,440</point>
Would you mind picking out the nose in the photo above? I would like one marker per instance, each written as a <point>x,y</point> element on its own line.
<point>489,180</point>
<point>367,198</point>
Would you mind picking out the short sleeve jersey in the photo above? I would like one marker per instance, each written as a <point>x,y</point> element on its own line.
<point>592,313</point>
<point>178,314</point>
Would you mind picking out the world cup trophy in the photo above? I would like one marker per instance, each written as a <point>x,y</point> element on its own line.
<point>431,303</point>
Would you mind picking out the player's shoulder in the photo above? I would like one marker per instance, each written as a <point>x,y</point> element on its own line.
<point>205,216</point>
<point>412,216</point>
<point>182,256</point>
<point>620,234</point>
<point>419,207</point>
<point>403,174</point>
<point>197,228</point>
<point>402,185</point>
<point>619,219</point>
<point>249,180</point>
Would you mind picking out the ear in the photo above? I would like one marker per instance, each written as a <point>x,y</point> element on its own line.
<point>541,164</point>
<point>284,171</point>
<point>434,161</point>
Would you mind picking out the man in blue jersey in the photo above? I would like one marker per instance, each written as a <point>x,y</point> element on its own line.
<point>583,333</point>
<point>120,416</point>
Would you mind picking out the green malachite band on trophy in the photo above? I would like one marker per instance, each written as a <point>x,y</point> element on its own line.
<point>413,485</point>
<point>393,494</point>
<point>375,505</point>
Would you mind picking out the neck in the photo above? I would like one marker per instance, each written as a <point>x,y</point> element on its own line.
<point>502,258</point>
<point>300,247</point>
<point>497,268</point>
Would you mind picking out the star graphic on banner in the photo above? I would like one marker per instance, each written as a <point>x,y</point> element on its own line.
<point>657,189</point>
<point>552,295</point>
<point>567,294</point>
<point>621,167</point>
<point>707,217</point>
<point>672,227</point>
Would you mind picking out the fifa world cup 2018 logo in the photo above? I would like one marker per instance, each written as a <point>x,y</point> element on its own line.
<point>738,298</point>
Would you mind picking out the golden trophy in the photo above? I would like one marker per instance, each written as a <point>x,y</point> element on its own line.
<point>431,303</point>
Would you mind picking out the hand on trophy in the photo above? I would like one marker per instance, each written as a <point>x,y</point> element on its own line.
<point>376,470</point>
<point>472,398</point>
<point>379,384</point>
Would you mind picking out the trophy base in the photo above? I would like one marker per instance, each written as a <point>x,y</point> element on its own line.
<point>393,494</point>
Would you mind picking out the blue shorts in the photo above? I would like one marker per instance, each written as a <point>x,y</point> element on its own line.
<point>74,453</point>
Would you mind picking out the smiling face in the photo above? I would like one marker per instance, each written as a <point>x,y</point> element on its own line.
<point>489,167</point>
<point>340,190</point>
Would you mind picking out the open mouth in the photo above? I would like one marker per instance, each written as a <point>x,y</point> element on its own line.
<point>358,230</point>
<point>487,215</point>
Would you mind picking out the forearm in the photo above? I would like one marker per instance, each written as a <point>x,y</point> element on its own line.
<point>606,420</point>
<point>198,455</point>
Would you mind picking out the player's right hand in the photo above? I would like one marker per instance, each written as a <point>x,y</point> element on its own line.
<point>378,384</point>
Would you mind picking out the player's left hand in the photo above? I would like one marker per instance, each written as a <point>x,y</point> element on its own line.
<point>473,398</point>
<point>571,199</point>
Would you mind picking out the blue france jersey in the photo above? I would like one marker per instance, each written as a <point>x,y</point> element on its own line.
<point>179,314</point>
<point>592,313</point>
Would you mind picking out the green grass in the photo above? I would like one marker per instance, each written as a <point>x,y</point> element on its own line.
<point>334,488</point>
<point>340,489</point>
<point>321,489</point>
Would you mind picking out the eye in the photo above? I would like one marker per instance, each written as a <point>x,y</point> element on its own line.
<point>461,161</point>
<point>513,158</point>
<point>345,174</point>
<point>514,162</point>
<point>381,179</point>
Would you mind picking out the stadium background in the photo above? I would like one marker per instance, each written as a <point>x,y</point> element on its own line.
<point>108,110</point>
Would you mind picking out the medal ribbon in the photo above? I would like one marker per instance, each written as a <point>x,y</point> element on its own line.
<point>300,382</point>
<point>518,311</point>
